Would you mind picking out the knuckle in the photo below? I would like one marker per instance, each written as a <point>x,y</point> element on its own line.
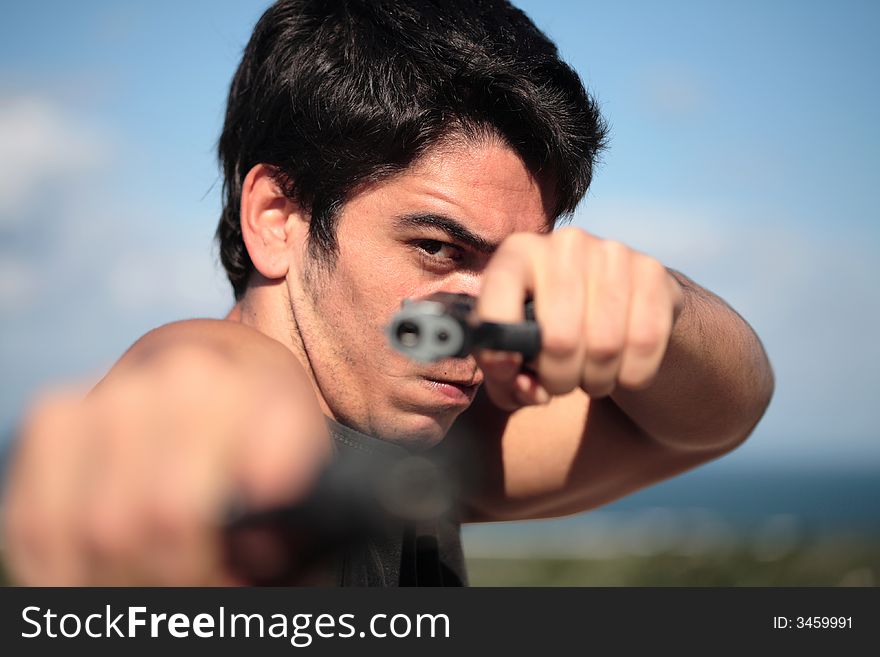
<point>603,353</point>
<point>558,342</point>
<point>652,267</point>
<point>569,235</point>
<point>598,376</point>
<point>520,240</point>
<point>604,345</point>
<point>567,232</point>
<point>516,245</point>
<point>619,260</point>
<point>587,238</point>
<point>505,264</point>
<point>560,382</point>
<point>597,387</point>
<point>645,340</point>
<point>615,251</point>
<point>564,277</point>
<point>636,378</point>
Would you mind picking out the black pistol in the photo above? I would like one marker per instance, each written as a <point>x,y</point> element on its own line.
<point>444,325</point>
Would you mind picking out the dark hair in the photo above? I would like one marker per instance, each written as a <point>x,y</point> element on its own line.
<point>334,94</point>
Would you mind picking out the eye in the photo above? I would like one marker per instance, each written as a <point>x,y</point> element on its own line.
<point>439,251</point>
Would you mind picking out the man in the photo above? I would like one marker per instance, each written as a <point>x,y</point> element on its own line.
<point>374,152</point>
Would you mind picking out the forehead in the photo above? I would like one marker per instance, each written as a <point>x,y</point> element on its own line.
<point>483,185</point>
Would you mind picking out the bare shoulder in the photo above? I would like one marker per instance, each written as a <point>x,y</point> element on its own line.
<point>210,339</point>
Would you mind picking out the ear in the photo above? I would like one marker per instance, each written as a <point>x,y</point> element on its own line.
<point>273,227</point>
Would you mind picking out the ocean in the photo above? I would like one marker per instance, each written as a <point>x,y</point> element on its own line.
<point>770,511</point>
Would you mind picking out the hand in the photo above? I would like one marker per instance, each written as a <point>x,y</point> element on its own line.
<point>606,314</point>
<point>129,485</point>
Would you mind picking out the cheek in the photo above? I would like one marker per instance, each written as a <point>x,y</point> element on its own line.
<point>374,287</point>
<point>361,303</point>
<point>368,285</point>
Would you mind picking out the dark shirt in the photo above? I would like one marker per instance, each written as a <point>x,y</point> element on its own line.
<point>404,554</point>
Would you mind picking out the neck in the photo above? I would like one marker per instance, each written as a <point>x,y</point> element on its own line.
<point>266,307</point>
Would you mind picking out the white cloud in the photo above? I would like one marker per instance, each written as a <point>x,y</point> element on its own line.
<point>85,270</point>
<point>90,239</point>
<point>40,144</point>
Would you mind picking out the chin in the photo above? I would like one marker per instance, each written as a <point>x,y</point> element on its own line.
<point>420,431</point>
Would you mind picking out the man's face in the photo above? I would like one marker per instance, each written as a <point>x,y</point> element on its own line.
<point>432,228</point>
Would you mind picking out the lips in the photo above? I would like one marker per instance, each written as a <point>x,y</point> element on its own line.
<point>466,387</point>
<point>469,376</point>
<point>453,391</point>
<point>472,380</point>
<point>469,383</point>
<point>455,383</point>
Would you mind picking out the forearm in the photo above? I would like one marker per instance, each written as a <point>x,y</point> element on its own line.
<point>714,383</point>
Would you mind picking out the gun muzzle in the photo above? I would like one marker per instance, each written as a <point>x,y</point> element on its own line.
<point>444,325</point>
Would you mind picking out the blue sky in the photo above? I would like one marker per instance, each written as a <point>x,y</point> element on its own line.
<point>745,152</point>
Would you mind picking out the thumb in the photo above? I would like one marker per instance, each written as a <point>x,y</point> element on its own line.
<point>501,369</point>
<point>508,385</point>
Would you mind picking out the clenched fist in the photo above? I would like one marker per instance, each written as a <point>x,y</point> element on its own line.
<point>129,484</point>
<point>606,314</point>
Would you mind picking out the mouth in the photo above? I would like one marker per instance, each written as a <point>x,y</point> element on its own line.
<point>460,391</point>
<point>462,372</point>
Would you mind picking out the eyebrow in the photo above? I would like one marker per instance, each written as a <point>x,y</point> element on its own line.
<point>450,226</point>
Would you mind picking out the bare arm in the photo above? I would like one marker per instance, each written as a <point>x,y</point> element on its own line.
<point>714,383</point>
<point>574,454</point>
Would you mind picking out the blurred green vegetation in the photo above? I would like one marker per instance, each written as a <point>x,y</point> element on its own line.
<point>838,562</point>
<point>853,562</point>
